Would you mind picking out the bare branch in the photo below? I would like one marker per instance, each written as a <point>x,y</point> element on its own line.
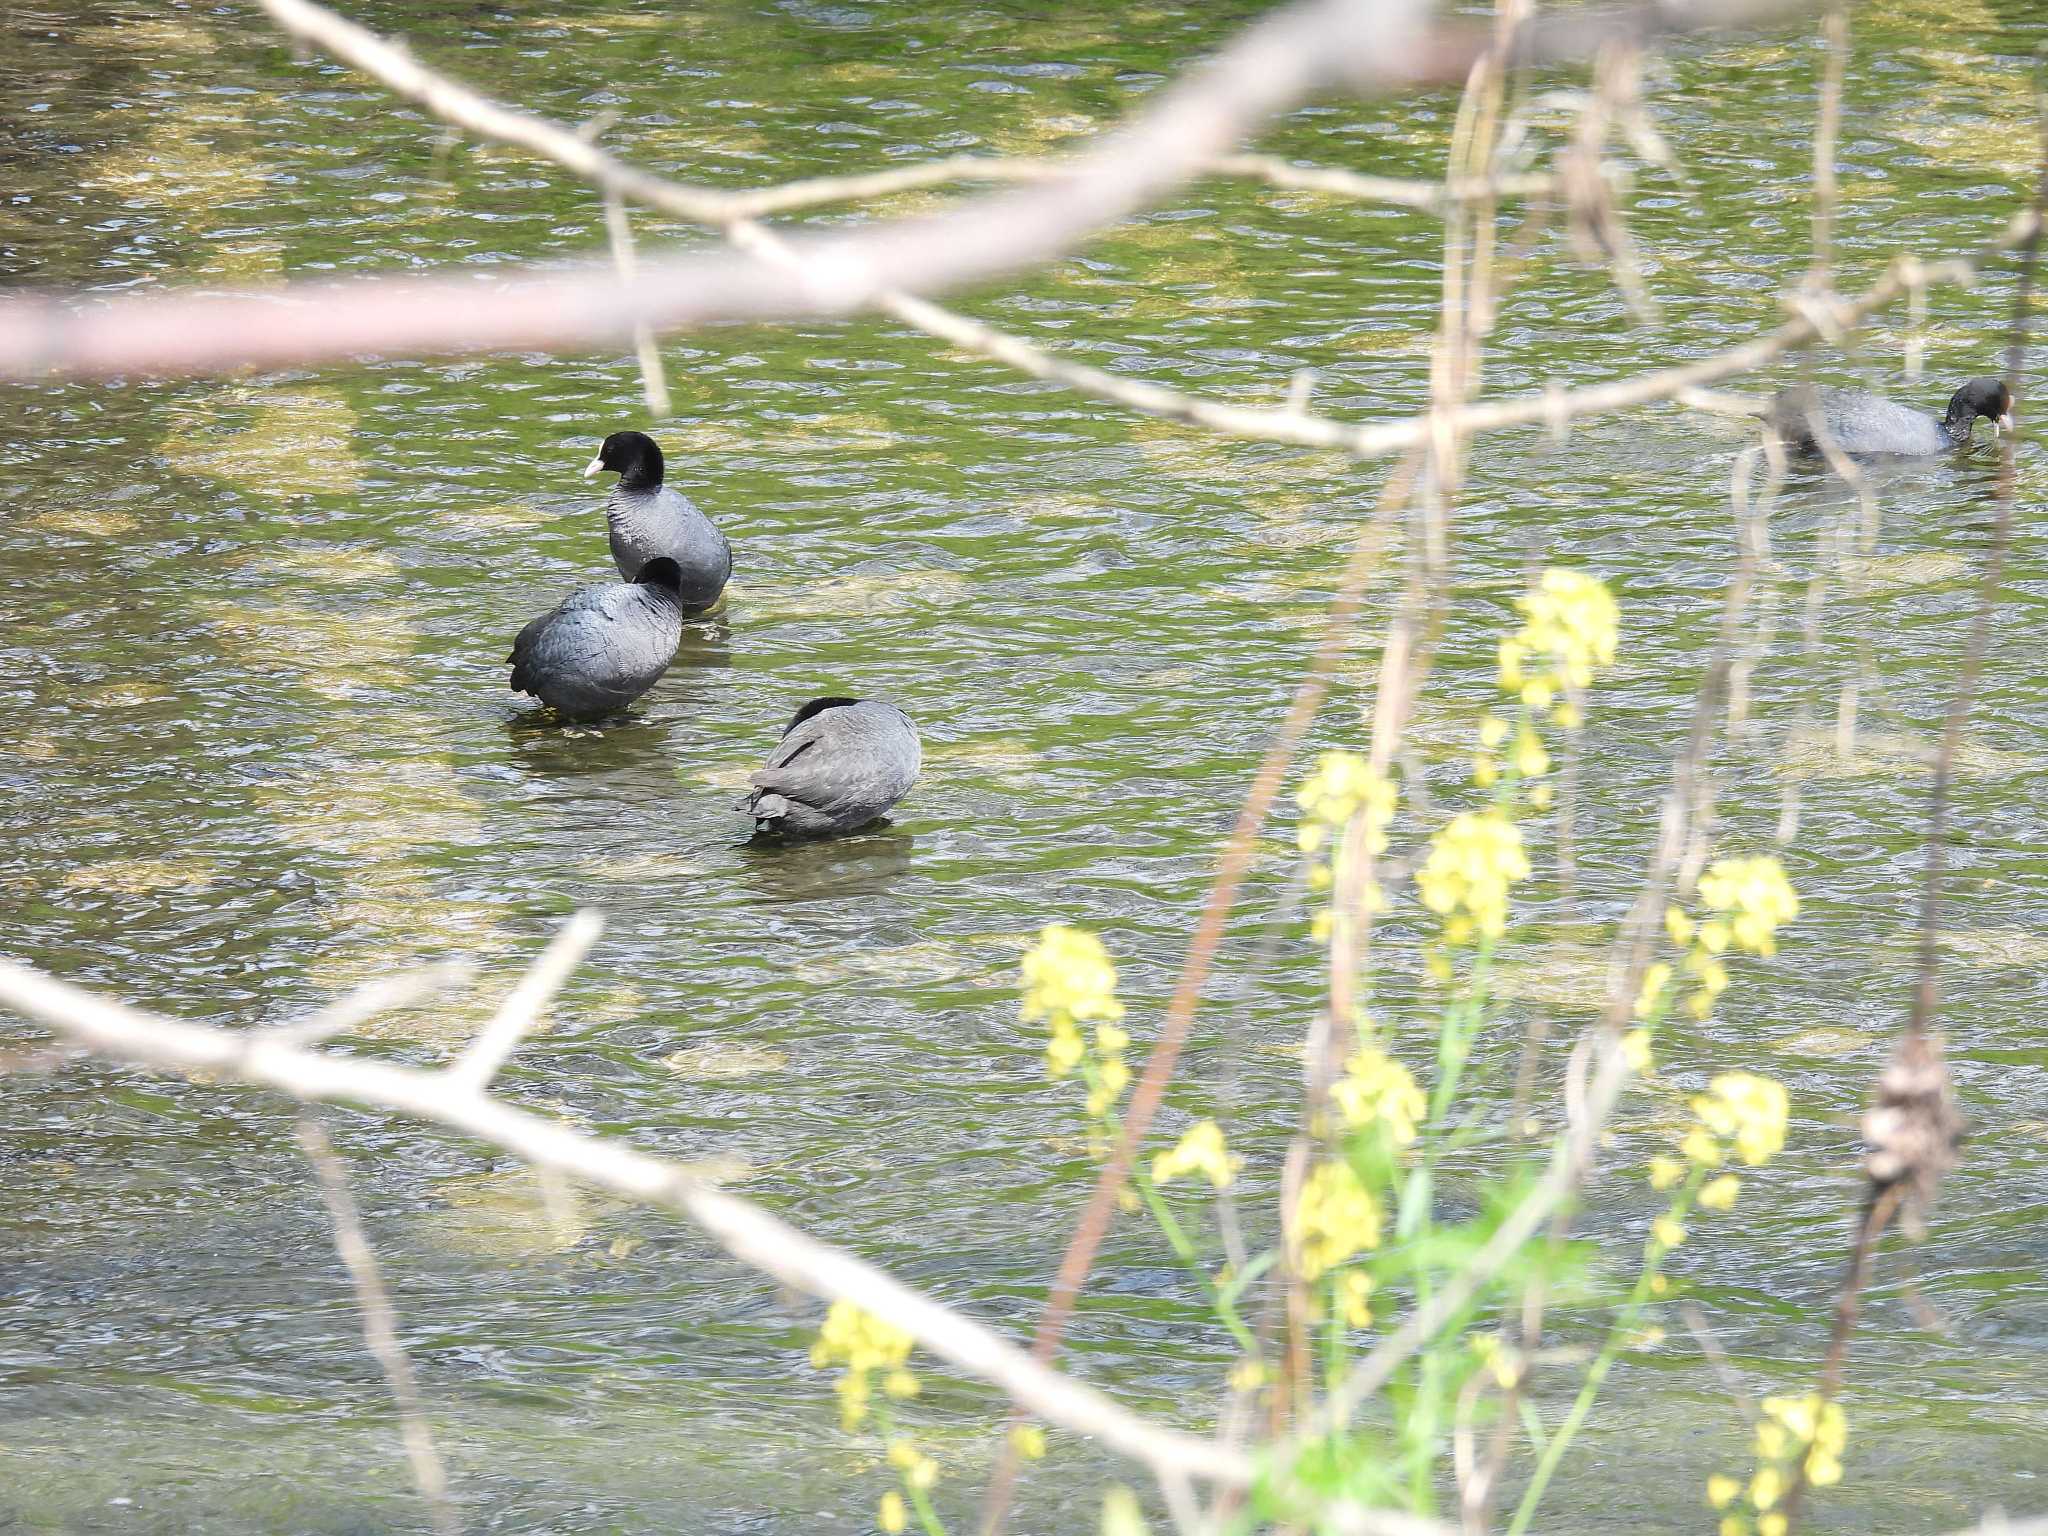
<point>523,1006</point>
<point>380,1325</point>
<point>385,994</point>
<point>1311,45</point>
<point>746,1231</point>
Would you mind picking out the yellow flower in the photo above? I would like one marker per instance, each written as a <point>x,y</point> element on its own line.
<point>1756,896</point>
<point>1750,1109</point>
<point>1199,1150</point>
<point>1531,761</point>
<point>1376,1089</point>
<point>1666,1172</point>
<point>863,1342</point>
<point>1539,797</point>
<point>1767,1487</point>
<point>1570,618</point>
<point>1734,1525</point>
<point>1029,1440</point>
<point>1567,717</point>
<point>1668,1230</point>
<point>1247,1375</point>
<point>1679,926</point>
<point>900,1384</point>
<point>1335,1217</point>
<point>922,1474</point>
<point>1822,1470</point>
<point>1111,1039</point>
<point>1776,1523</point>
<point>1719,1194</point>
<point>1068,976</point>
<point>1485,772</point>
<point>892,1517</point>
<point>1635,1045</point>
<point>1470,867</point>
<point>1701,1148</point>
<point>1655,979</point>
<point>1064,1051</point>
<point>1492,731</point>
<point>1721,1490</point>
<point>1342,785</point>
<point>1353,1295</point>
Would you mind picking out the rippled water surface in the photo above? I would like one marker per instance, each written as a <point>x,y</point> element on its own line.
<point>255,745</point>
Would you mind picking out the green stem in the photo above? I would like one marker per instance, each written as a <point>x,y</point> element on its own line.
<point>1610,1351</point>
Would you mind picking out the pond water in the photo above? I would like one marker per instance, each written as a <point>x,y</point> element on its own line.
<point>255,745</point>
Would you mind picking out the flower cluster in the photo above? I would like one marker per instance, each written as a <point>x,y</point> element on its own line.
<point>1335,1218</point>
<point>863,1344</point>
<point>1199,1150</point>
<point>1755,898</point>
<point>1377,1090</point>
<point>1749,899</point>
<point>1466,877</point>
<point>1743,1108</point>
<point>1797,1436</point>
<point>1069,980</point>
<point>1344,785</point>
<point>1570,626</point>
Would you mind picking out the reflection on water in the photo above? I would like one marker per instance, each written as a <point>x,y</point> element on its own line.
<point>256,746</point>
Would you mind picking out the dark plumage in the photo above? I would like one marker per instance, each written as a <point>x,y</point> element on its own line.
<point>647,519</point>
<point>602,646</point>
<point>840,764</point>
<point>1869,426</point>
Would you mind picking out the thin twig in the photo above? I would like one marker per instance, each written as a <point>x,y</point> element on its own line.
<point>526,1002</point>
<point>380,1325</point>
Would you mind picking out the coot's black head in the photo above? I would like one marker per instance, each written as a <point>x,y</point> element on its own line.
<point>661,572</point>
<point>1980,397</point>
<point>633,457</point>
<point>815,707</point>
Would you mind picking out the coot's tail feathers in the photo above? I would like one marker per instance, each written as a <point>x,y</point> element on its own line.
<point>764,806</point>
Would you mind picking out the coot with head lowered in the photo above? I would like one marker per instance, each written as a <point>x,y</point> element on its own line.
<point>841,763</point>
<point>602,646</point>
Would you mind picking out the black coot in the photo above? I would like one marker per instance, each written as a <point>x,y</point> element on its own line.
<point>602,646</point>
<point>647,519</point>
<point>840,764</point>
<point>1869,426</point>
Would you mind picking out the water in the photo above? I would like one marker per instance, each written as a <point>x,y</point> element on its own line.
<point>256,747</point>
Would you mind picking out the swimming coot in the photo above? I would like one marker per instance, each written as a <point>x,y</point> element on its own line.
<point>647,518</point>
<point>602,646</point>
<point>1869,426</point>
<point>840,764</point>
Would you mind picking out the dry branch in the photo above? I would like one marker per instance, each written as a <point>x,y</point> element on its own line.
<point>749,1233</point>
<point>1271,67</point>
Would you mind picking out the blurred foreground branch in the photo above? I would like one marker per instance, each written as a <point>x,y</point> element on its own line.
<point>458,1097</point>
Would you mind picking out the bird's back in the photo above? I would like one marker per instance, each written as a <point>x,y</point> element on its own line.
<point>598,649</point>
<point>838,769</point>
<point>645,525</point>
<point>1860,424</point>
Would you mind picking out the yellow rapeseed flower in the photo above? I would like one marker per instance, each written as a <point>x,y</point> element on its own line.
<point>1029,1440</point>
<point>1668,1230</point>
<point>1756,897</point>
<point>1721,1490</point>
<point>1635,1046</point>
<point>1199,1150</point>
<point>1767,1487</point>
<point>1471,865</point>
<point>1377,1089</point>
<point>1069,976</point>
<point>863,1344</point>
<point>1656,978</point>
<point>892,1516</point>
<point>1776,1523</point>
<point>1718,1194</point>
<point>1353,1295</point>
<point>1751,1110</point>
<point>1335,1217</point>
<point>1666,1172</point>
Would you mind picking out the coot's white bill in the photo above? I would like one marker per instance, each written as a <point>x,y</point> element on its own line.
<point>593,466</point>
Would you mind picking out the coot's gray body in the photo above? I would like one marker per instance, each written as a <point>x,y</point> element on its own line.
<point>840,764</point>
<point>647,520</point>
<point>603,646</point>
<point>1870,426</point>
